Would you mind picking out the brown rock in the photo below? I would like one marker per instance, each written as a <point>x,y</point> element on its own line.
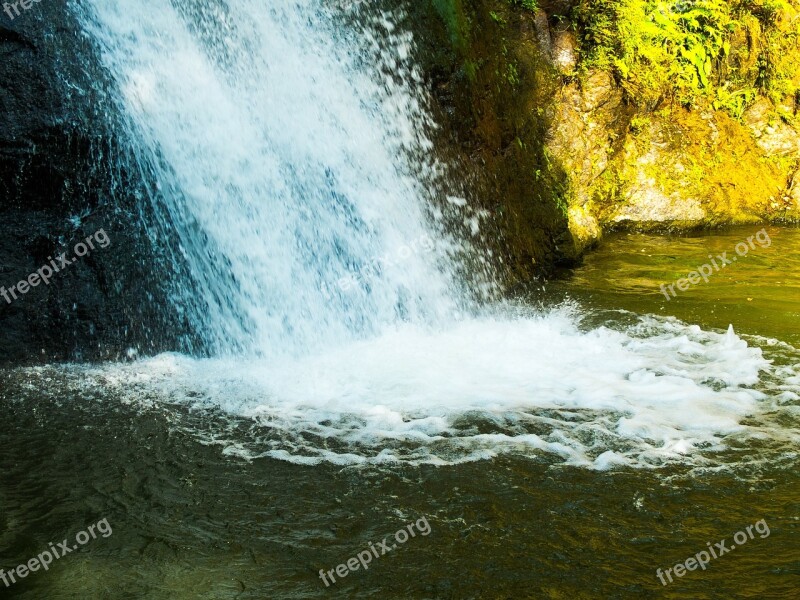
<point>565,53</point>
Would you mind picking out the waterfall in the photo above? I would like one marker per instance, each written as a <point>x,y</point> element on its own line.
<point>295,178</point>
<point>289,154</point>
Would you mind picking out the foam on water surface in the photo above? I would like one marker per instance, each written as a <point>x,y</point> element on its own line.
<point>641,395</point>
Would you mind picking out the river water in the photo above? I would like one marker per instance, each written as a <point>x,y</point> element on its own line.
<point>209,502</point>
<point>567,442</point>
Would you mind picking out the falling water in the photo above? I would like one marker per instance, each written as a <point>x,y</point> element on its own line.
<point>295,179</point>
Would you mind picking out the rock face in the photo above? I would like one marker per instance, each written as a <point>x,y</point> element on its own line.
<point>584,136</point>
<point>62,179</point>
<point>792,198</point>
<point>675,167</point>
<point>565,51</point>
<point>488,66</point>
<point>669,168</point>
<point>604,162</point>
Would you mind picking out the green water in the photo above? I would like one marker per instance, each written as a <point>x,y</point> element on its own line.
<point>193,521</point>
<point>758,293</point>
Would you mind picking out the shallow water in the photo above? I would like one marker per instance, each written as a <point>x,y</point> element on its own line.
<point>560,456</point>
<point>758,293</point>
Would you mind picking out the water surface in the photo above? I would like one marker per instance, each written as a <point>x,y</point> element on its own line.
<point>208,498</point>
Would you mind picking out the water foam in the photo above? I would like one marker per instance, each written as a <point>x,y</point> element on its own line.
<point>288,154</point>
<point>642,395</point>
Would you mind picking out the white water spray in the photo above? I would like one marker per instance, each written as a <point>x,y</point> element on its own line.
<point>282,165</point>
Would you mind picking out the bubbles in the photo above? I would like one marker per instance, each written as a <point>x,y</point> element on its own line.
<point>291,154</point>
<point>641,395</point>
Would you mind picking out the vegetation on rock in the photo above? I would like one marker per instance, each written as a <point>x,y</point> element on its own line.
<point>593,115</point>
<point>690,50</point>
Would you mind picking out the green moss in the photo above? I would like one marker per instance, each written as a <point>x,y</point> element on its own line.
<point>734,102</point>
<point>497,18</point>
<point>452,13</point>
<point>734,182</point>
<point>657,47</point>
<point>690,50</point>
<point>639,123</point>
<point>551,181</point>
<point>776,63</point>
<point>531,5</point>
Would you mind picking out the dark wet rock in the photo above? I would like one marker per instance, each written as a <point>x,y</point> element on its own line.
<point>62,178</point>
